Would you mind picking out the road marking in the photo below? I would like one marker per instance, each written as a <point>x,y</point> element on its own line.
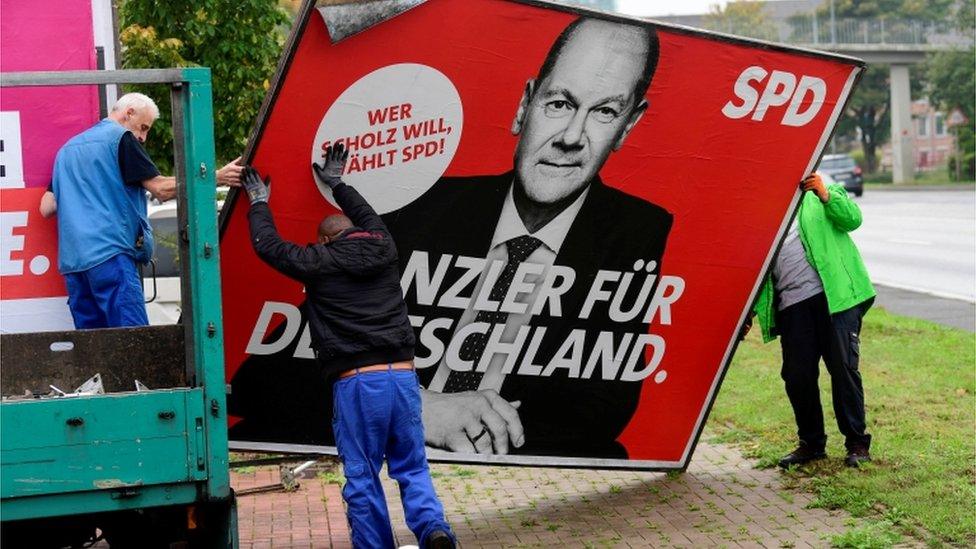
<point>906,241</point>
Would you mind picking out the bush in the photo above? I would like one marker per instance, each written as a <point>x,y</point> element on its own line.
<point>877,177</point>
<point>239,40</point>
<point>967,144</point>
<point>968,167</point>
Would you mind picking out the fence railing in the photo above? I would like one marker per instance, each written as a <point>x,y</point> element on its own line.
<point>818,31</point>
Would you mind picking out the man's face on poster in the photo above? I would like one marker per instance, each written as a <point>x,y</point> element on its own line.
<point>571,119</point>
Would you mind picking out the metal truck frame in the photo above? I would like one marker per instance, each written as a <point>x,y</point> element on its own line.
<point>148,468</point>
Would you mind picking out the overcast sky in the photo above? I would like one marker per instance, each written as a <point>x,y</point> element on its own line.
<point>665,7</point>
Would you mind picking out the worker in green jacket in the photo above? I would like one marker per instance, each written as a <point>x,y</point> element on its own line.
<point>814,300</point>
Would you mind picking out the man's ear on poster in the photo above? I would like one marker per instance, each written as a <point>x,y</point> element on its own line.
<point>523,106</point>
<point>632,119</point>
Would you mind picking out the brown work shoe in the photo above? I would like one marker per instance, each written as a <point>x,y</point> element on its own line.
<point>802,455</point>
<point>856,455</point>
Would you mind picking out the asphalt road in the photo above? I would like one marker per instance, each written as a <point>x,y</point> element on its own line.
<point>920,240</point>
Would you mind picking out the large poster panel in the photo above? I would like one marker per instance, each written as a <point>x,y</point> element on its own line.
<point>34,123</point>
<point>583,204</point>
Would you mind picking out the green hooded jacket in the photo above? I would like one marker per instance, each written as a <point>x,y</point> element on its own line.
<point>830,250</point>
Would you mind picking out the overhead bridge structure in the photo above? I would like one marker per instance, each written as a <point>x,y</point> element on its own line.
<point>898,43</point>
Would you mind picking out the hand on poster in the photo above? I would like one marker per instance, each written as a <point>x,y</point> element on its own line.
<point>231,174</point>
<point>257,190</point>
<point>746,327</point>
<point>814,183</point>
<point>330,172</point>
<point>481,421</point>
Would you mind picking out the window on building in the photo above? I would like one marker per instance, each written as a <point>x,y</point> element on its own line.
<point>940,128</point>
<point>923,126</point>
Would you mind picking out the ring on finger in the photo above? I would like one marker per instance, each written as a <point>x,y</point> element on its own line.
<point>477,437</point>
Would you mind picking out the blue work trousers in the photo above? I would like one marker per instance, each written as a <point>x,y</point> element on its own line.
<point>109,295</point>
<point>377,415</point>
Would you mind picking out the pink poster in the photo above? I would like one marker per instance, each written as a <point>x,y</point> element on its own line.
<point>34,123</point>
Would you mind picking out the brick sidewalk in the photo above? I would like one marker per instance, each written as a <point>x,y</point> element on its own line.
<point>720,501</point>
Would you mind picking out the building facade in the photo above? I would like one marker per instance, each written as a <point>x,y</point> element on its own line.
<point>933,143</point>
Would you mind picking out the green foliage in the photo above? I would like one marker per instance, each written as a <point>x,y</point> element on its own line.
<point>742,17</point>
<point>951,80</point>
<point>144,49</point>
<point>951,84</point>
<point>332,476</point>
<point>968,169</point>
<point>867,111</point>
<point>831,495</point>
<point>965,16</point>
<point>919,389</point>
<point>929,10</point>
<point>240,40</point>
<point>170,241</point>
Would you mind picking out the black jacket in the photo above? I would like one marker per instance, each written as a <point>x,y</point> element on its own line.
<point>354,303</point>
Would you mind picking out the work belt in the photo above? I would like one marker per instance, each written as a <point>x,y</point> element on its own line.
<point>408,365</point>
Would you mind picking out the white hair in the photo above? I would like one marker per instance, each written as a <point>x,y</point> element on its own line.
<point>137,101</point>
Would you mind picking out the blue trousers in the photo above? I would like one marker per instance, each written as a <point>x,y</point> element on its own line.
<point>109,295</point>
<point>377,415</point>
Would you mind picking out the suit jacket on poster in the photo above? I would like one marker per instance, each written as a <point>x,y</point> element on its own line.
<point>561,416</point>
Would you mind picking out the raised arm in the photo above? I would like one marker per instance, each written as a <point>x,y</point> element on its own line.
<point>352,203</point>
<point>298,262</point>
<point>840,210</point>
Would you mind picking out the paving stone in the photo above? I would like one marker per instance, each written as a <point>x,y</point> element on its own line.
<point>721,500</point>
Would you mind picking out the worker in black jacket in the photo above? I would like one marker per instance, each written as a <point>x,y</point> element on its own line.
<point>363,338</point>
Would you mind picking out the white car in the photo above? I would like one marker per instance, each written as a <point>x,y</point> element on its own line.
<point>163,294</point>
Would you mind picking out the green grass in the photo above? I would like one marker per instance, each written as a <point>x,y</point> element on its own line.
<point>919,389</point>
<point>333,476</point>
<point>934,177</point>
<point>869,535</point>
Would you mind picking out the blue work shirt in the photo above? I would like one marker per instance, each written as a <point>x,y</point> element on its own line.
<point>97,183</point>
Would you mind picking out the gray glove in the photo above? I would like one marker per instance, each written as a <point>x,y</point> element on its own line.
<point>257,190</point>
<point>330,172</point>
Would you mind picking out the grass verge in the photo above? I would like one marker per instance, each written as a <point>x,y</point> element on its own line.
<point>934,177</point>
<point>919,389</point>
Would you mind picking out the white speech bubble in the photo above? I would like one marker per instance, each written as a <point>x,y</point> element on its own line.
<point>402,125</point>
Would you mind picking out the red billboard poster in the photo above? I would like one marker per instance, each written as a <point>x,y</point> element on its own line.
<point>584,206</point>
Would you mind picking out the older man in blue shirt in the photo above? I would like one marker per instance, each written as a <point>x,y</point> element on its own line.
<point>98,187</point>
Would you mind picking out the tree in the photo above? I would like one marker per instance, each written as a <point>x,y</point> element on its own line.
<point>867,113</point>
<point>926,10</point>
<point>240,40</point>
<point>742,17</point>
<point>951,84</point>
